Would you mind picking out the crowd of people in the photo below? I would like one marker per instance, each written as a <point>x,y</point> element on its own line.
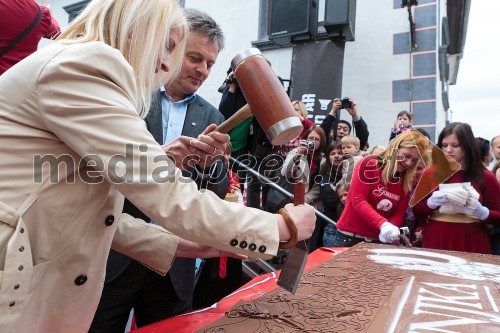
<point>109,86</point>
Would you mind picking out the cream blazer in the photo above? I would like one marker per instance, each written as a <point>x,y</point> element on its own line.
<point>73,107</point>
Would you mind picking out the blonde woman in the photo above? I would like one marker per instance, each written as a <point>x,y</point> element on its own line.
<point>73,144</point>
<point>379,193</point>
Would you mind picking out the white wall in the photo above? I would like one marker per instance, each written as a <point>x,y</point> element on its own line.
<point>370,66</point>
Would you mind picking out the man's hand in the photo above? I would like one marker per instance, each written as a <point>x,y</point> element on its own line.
<point>188,249</point>
<point>352,110</point>
<point>178,151</point>
<point>208,147</point>
<point>232,85</point>
<point>336,107</point>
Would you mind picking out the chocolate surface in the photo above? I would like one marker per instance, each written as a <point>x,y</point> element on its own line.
<point>379,288</point>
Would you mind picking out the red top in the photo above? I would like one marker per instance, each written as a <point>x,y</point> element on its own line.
<point>370,202</point>
<point>466,237</point>
<point>16,16</point>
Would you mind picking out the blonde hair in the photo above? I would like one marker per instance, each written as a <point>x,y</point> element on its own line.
<point>302,108</point>
<point>140,31</point>
<point>381,148</point>
<point>409,139</point>
<point>350,139</point>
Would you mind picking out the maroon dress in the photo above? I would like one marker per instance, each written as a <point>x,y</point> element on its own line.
<point>466,237</point>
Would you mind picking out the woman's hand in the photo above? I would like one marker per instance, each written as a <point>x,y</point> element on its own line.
<point>304,218</point>
<point>389,233</point>
<point>479,212</point>
<point>437,199</point>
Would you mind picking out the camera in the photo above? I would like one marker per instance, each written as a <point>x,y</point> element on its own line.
<point>346,103</point>
<point>310,144</point>
<point>227,81</point>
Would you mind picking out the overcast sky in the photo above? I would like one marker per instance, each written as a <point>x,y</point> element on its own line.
<point>475,99</point>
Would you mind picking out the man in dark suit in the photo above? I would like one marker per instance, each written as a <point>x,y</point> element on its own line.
<point>176,111</point>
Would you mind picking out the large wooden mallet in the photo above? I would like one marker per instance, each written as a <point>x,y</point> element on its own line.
<point>266,98</point>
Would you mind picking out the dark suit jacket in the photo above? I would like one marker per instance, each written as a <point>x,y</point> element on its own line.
<point>199,115</point>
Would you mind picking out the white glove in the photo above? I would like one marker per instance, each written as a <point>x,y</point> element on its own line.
<point>437,199</point>
<point>479,212</point>
<point>389,233</point>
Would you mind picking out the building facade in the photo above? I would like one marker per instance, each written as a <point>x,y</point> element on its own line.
<point>385,68</point>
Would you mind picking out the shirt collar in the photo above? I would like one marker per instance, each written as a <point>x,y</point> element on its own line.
<point>188,99</point>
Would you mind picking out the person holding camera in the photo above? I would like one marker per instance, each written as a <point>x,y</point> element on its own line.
<point>301,110</point>
<point>232,100</point>
<point>335,128</point>
<point>302,163</point>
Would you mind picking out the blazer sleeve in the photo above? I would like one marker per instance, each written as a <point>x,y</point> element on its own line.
<point>91,107</point>
<point>138,239</point>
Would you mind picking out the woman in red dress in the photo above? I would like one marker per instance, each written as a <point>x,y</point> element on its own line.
<point>465,228</point>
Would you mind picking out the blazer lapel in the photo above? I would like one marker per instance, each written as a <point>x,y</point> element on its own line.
<point>195,121</point>
<point>154,119</point>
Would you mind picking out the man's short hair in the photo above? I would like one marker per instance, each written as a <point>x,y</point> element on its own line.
<point>345,122</point>
<point>203,23</point>
<point>494,139</point>
<point>350,139</point>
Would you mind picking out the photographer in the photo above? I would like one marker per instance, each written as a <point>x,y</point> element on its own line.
<point>302,163</point>
<point>232,100</point>
<point>335,129</point>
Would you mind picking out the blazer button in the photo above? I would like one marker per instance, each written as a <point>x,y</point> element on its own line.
<point>262,249</point>
<point>109,220</point>
<point>233,242</point>
<point>252,247</point>
<point>243,244</point>
<point>81,279</point>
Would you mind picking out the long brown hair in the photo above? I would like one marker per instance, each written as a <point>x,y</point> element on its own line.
<point>473,168</point>
<point>327,168</point>
<point>318,153</point>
